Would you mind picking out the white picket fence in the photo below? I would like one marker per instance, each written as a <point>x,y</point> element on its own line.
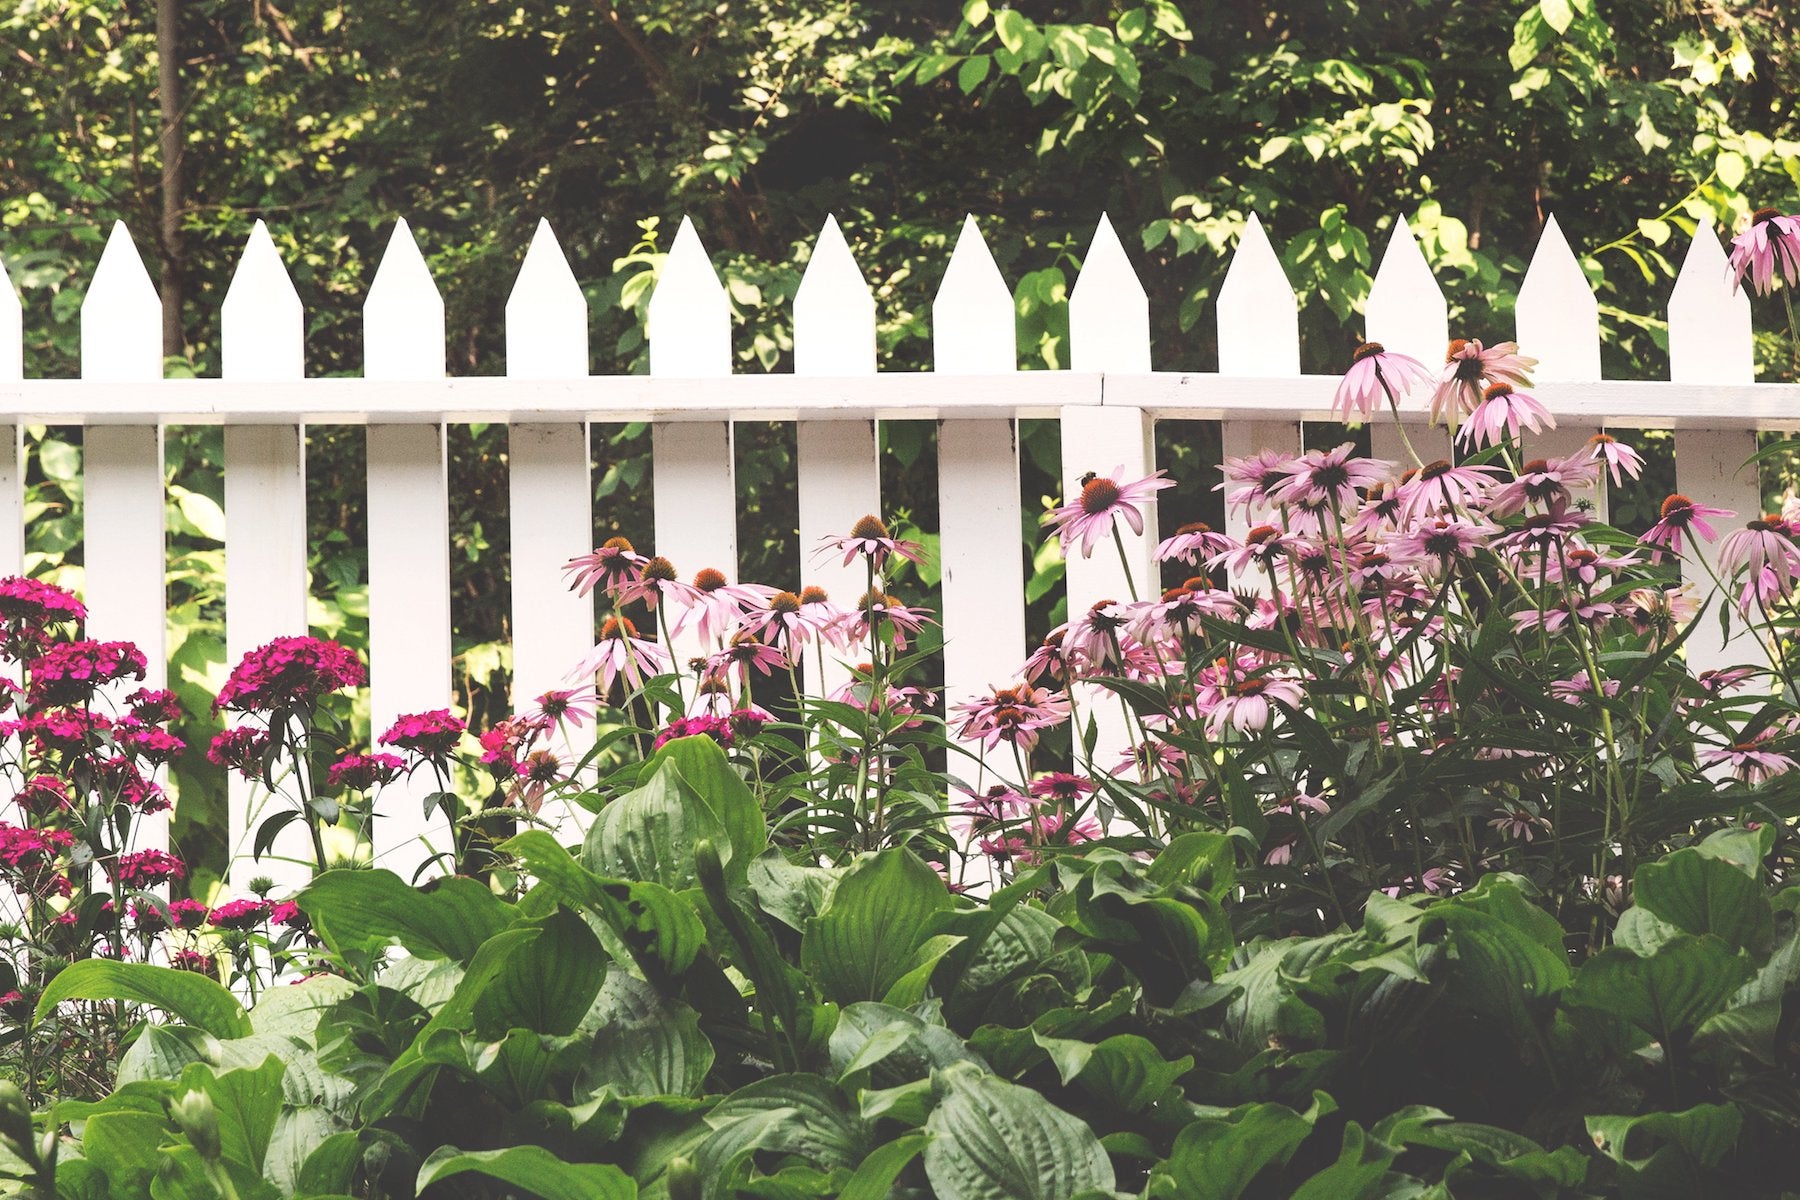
<point>1108,405</point>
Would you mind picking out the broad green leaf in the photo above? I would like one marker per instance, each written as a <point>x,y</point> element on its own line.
<point>649,833</point>
<point>165,1051</point>
<point>874,1179</point>
<point>365,910</point>
<point>1703,1134</point>
<point>660,929</point>
<point>821,1125</point>
<point>1666,995</point>
<point>298,1135</point>
<point>1125,1072</point>
<point>534,1169</point>
<point>191,998</point>
<point>864,941</point>
<point>994,1140</point>
<point>548,986</point>
<point>1218,1158</point>
<point>645,1045</point>
<point>1702,894</point>
<point>247,1103</point>
<point>126,1145</point>
<point>709,773</point>
<point>1557,14</point>
<point>1361,1164</point>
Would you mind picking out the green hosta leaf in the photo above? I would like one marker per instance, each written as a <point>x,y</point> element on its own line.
<point>821,1124</point>
<point>1125,1072</point>
<point>298,1135</point>
<point>1361,1164</point>
<point>865,940</point>
<point>649,833</point>
<point>165,1051</point>
<point>709,773</point>
<point>660,929</point>
<point>1501,967</point>
<point>534,1169</point>
<point>1666,995</point>
<point>366,910</point>
<point>548,986</point>
<point>1702,894</point>
<point>1744,849</point>
<point>247,1103</point>
<point>1668,1147</point>
<point>993,1140</point>
<point>193,999</point>
<point>874,1179</point>
<point>126,1145</point>
<point>645,1045</point>
<point>895,1045</point>
<point>1218,1158</point>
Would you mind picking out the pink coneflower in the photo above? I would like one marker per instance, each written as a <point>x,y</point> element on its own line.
<point>1545,533</point>
<point>1468,368</point>
<point>1681,515</point>
<point>1192,543</point>
<point>1553,619</point>
<point>1659,612</point>
<point>1255,477</point>
<point>877,611</point>
<point>1584,566</point>
<point>620,652</point>
<point>611,566</point>
<point>1518,824</point>
<point>996,808</point>
<point>1330,478</point>
<point>536,774</point>
<point>1750,760</point>
<point>1769,248</point>
<point>719,605</point>
<point>1433,544</point>
<point>1311,803</point>
<point>657,583</point>
<point>1617,457</point>
<point>1261,547</point>
<point>571,706</point>
<point>1434,881</point>
<point>1181,611</point>
<point>1052,660</point>
<point>1726,679</point>
<point>869,537</point>
<point>1104,497</point>
<point>746,651</point>
<point>1248,704</point>
<point>1376,374</point>
<point>1440,485</point>
<point>787,623</point>
<point>1058,829</point>
<point>1762,590</point>
<point>1761,543</point>
<point>1062,787</point>
<point>1152,758</point>
<point>1548,483</point>
<point>1097,638</point>
<point>833,620</point>
<point>1016,714</point>
<point>1501,413</point>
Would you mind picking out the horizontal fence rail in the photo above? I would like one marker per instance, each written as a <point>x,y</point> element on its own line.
<point>1108,405</point>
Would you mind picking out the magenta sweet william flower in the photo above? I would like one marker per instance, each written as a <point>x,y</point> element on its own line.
<point>1090,516</point>
<point>194,961</point>
<point>70,672</point>
<point>289,915</point>
<point>188,915</point>
<point>154,706</point>
<point>719,729</point>
<point>42,795</point>
<point>433,734</point>
<point>290,672</point>
<point>147,868</point>
<point>242,915</point>
<point>360,772</point>
<point>242,750</point>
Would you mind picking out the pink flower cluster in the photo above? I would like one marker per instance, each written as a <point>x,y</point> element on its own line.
<point>290,673</point>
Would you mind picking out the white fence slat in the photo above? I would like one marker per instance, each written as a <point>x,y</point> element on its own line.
<point>693,462</point>
<point>837,462</point>
<point>122,468</point>
<point>1557,316</point>
<point>550,480</point>
<point>1710,342</point>
<point>263,340</point>
<point>1406,311</point>
<point>1259,336</point>
<point>409,544</point>
<point>12,329</point>
<point>973,333</point>
<point>1259,319</point>
<point>1109,314</point>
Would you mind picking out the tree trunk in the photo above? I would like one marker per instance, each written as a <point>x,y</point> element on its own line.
<point>170,251</point>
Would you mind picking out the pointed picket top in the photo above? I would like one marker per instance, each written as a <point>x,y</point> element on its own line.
<point>834,314</point>
<point>262,323</point>
<point>546,314</point>
<point>1709,322</point>
<point>403,317</point>
<point>121,318</point>
<point>1558,318</point>
<point>1259,319</point>
<point>690,315</point>
<point>1405,310</point>
<point>972,331</point>
<point>12,329</point>
<point>1109,314</point>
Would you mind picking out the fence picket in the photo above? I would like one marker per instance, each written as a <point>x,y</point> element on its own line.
<point>1259,336</point>
<point>1406,312</point>
<point>837,462</point>
<point>12,475</point>
<point>972,333</point>
<point>692,461</point>
<point>409,543</point>
<point>550,482</point>
<point>1710,342</point>
<point>1109,332</point>
<point>1558,323</point>
<point>121,342</point>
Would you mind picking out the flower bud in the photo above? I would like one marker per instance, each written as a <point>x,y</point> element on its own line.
<point>194,1115</point>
